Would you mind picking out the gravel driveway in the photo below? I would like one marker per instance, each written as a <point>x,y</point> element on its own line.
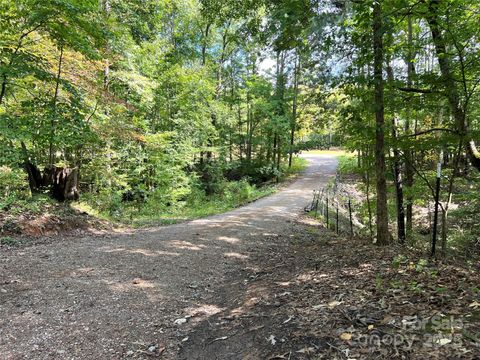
<point>139,293</point>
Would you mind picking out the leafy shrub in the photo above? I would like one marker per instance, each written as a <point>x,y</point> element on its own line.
<point>7,240</point>
<point>12,182</point>
<point>238,191</point>
<point>347,164</point>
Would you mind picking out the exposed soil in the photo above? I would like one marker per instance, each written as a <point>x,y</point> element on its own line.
<point>259,282</point>
<point>52,220</point>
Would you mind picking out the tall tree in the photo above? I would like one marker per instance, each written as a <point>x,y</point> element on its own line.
<point>380,168</point>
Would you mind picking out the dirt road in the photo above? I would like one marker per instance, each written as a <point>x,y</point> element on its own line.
<point>142,293</point>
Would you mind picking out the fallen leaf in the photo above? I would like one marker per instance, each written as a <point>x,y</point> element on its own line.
<point>306,350</point>
<point>180,321</point>
<point>474,305</point>
<point>444,341</point>
<point>220,338</point>
<point>272,339</point>
<point>346,336</point>
<point>334,303</point>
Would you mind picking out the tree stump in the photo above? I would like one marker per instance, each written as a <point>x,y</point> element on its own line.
<point>61,182</point>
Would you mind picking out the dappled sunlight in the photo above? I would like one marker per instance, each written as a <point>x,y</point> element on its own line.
<point>236,256</point>
<point>251,301</point>
<point>135,284</point>
<point>366,266</point>
<point>201,312</point>
<point>227,239</point>
<point>236,312</point>
<point>76,273</point>
<point>269,234</point>
<point>355,272</point>
<point>157,275</point>
<point>150,289</point>
<point>314,277</point>
<point>144,252</point>
<point>185,245</point>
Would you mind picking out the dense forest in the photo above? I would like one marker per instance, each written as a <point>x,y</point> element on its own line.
<point>164,103</point>
<point>154,101</point>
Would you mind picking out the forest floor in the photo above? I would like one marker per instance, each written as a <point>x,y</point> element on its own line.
<point>259,282</point>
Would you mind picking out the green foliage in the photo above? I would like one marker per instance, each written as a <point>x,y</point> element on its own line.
<point>11,182</point>
<point>8,240</point>
<point>298,165</point>
<point>347,164</point>
<point>156,211</point>
<point>166,205</point>
<point>399,260</point>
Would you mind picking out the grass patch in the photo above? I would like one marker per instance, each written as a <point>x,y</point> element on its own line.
<point>154,210</point>
<point>197,205</point>
<point>298,165</point>
<point>8,240</point>
<point>212,205</point>
<point>347,164</point>
<point>332,151</point>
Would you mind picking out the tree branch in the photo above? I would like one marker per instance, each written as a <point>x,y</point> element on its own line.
<point>415,90</point>
<point>430,131</point>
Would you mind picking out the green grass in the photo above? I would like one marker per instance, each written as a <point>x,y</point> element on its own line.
<point>9,241</point>
<point>147,216</point>
<point>347,164</point>
<point>234,194</point>
<point>332,151</point>
<point>107,205</point>
<point>298,165</point>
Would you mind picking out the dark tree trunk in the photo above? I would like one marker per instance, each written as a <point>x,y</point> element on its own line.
<point>279,157</point>
<point>294,110</point>
<point>409,171</point>
<point>274,150</point>
<point>4,87</point>
<point>449,82</point>
<point>55,99</point>
<point>397,170</point>
<point>380,169</point>
<point>35,180</point>
<point>398,187</point>
<point>63,182</point>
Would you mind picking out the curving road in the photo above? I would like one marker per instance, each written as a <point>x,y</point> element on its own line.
<point>117,296</point>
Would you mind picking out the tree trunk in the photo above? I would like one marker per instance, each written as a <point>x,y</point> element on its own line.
<point>279,157</point>
<point>409,171</point>
<point>369,205</point>
<point>4,88</point>
<point>294,110</point>
<point>380,169</point>
<point>398,187</point>
<point>449,83</point>
<point>274,150</point>
<point>249,127</point>
<point>55,99</point>
<point>397,172</point>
